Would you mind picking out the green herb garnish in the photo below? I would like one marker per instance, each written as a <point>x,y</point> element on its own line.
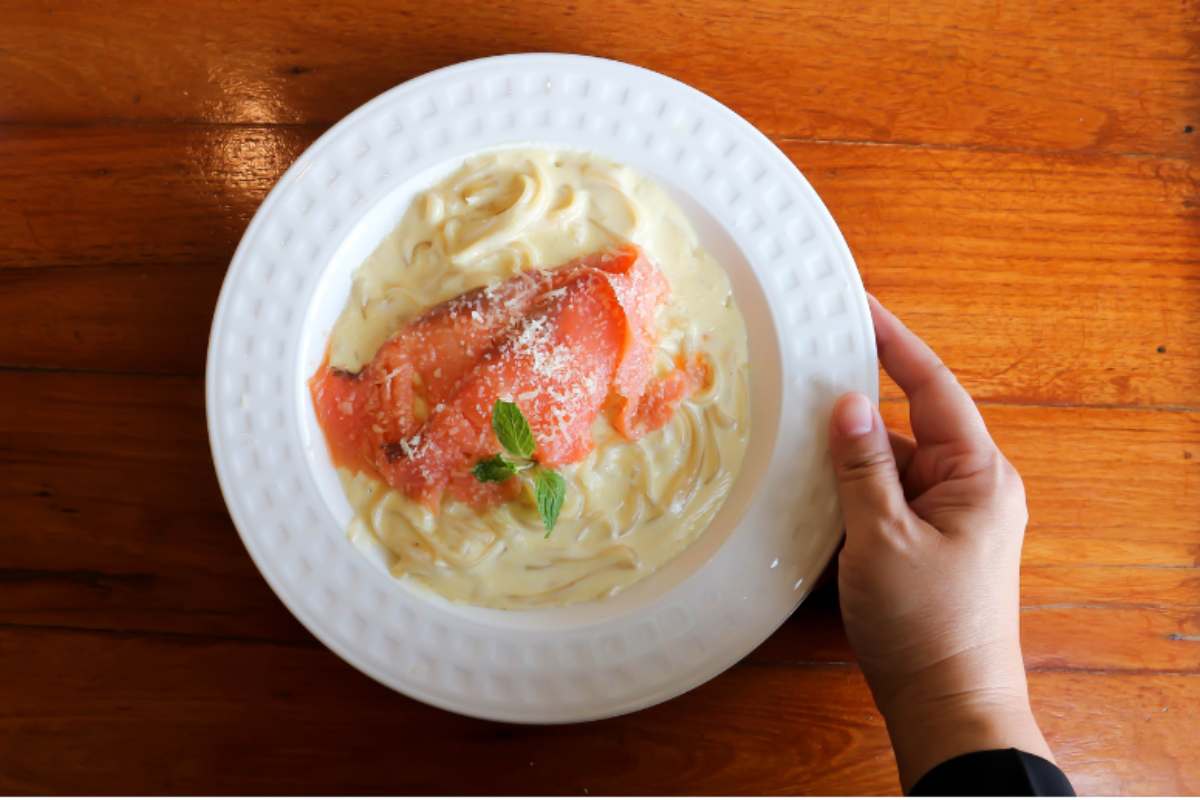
<point>494,469</point>
<point>516,437</point>
<point>550,490</point>
<point>512,429</point>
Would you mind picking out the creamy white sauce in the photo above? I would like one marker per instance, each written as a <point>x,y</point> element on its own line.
<point>630,506</point>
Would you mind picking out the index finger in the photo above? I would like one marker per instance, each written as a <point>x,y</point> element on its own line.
<point>940,409</point>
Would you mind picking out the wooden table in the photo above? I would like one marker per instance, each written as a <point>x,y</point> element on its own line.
<point>1018,180</point>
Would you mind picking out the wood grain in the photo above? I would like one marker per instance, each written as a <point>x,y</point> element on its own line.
<point>1106,486</point>
<point>84,454</point>
<point>134,195</point>
<point>1077,274</point>
<point>1060,76</point>
<point>291,719</point>
<point>1120,734</point>
<point>1069,280</point>
<point>1083,628</point>
<point>1018,181</point>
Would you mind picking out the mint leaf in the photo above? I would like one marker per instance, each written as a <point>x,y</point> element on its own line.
<point>494,469</point>
<point>549,489</point>
<point>512,429</point>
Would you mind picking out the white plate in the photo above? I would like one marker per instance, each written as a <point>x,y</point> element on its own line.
<point>810,339</point>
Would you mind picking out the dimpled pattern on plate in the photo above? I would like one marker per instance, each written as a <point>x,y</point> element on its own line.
<point>445,655</point>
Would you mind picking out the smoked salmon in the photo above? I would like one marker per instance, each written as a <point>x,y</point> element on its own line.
<point>564,344</point>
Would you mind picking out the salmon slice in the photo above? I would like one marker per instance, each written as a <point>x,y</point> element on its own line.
<point>563,344</point>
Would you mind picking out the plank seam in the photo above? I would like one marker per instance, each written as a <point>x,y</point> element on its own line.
<point>318,126</point>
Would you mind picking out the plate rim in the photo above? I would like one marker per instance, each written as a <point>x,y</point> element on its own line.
<point>682,682</point>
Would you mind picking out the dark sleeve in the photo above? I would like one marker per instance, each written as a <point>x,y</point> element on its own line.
<point>991,773</point>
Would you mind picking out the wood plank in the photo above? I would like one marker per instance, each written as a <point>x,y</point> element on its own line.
<point>1093,586</point>
<point>1077,275</point>
<point>1066,623</point>
<point>113,517</point>
<point>1105,486</point>
<point>154,716</point>
<point>134,318</point>
<point>1111,76</point>
<point>112,472</point>
<point>1070,280</point>
<point>232,717</point>
<point>1121,734</point>
<point>1098,636</point>
<point>169,194</point>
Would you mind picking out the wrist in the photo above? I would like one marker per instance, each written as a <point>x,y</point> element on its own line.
<point>940,732</point>
<point>994,669</point>
<point>975,700</point>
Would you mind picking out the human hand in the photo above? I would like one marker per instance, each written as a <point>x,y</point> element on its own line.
<point>929,575</point>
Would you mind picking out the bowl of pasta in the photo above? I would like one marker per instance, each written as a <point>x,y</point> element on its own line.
<point>517,384</point>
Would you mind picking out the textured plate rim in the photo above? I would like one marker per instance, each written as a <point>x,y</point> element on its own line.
<point>866,381</point>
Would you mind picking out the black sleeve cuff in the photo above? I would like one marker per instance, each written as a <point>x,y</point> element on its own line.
<point>992,773</point>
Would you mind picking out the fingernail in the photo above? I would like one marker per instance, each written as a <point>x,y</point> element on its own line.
<point>855,417</point>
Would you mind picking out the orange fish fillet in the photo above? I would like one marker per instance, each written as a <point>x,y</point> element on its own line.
<point>564,344</point>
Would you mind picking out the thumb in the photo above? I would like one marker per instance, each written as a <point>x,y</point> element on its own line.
<point>868,482</point>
